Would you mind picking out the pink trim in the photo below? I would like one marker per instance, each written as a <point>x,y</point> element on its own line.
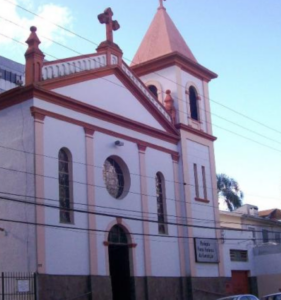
<point>142,147</point>
<point>188,207</point>
<point>207,108</point>
<point>75,78</point>
<point>216,208</point>
<point>144,205</point>
<point>175,157</point>
<point>196,132</point>
<point>39,192</point>
<point>89,132</point>
<point>119,220</point>
<point>201,200</point>
<point>93,253</point>
<point>182,260</point>
<point>106,244</point>
<point>100,129</point>
<point>173,59</point>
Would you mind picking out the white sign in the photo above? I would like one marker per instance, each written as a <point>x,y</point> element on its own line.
<point>206,250</point>
<point>23,285</point>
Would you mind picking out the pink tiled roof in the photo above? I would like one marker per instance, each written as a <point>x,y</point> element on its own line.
<point>161,38</point>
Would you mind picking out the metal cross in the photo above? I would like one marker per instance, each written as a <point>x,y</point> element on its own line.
<point>111,25</point>
<point>161,3</point>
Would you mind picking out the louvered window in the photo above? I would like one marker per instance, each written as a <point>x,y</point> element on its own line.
<point>238,255</point>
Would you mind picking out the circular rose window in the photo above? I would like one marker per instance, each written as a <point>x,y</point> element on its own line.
<point>116,177</point>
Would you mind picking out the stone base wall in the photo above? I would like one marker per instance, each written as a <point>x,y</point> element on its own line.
<point>57,287</point>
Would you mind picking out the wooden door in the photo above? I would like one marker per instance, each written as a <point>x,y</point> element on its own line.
<point>240,282</point>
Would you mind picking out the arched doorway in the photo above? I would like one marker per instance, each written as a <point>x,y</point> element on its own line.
<point>119,264</point>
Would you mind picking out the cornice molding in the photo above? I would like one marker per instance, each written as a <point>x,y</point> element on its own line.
<point>200,133</point>
<point>177,59</point>
<point>94,128</point>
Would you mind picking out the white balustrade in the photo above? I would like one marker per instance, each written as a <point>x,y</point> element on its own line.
<point>59,69</point>
<point>139,84</point>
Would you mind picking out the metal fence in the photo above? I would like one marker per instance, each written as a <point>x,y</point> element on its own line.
<point>18,286</point>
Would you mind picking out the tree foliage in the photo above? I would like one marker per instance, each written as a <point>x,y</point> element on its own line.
<point>228,189</point>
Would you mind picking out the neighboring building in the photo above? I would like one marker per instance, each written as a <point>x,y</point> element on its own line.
<point>252,248</point>
<point>117,166</point>
<point>11,74</point>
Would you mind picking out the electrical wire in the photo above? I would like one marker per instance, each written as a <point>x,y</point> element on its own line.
<point>96,44</point>
<point>232,132</point>
<point>87,212</point>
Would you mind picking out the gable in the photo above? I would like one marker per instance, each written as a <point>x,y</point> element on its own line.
<point>110,94</point>
<point>115,90</point>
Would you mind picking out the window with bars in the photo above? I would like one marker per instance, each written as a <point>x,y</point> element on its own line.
<point>65,186</point>
<point>238,255</point>
<point>161,203</point>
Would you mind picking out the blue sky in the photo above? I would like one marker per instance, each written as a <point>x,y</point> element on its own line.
<point>240,40</point>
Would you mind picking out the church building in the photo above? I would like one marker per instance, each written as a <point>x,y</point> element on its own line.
<point>108,180</point>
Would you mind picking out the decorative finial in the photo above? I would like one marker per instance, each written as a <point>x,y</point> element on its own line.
<point>34,58</point>
<point>111,25</point>
<point>161,3</point>
<point>169,105</point>
<point>33,29</point>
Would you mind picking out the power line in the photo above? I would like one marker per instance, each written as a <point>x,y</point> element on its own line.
<point>80,36</point>
<point>240,136</point>
<point>236,124</point>
<point>71,228</point>
<point>138,212</point>
<point>133,218</point>
<point>180,182</point>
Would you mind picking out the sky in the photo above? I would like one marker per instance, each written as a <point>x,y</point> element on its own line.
<point>240,40</point>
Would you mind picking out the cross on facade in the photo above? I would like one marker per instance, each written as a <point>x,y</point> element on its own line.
<point>161,3</point>
<point>111,25</point>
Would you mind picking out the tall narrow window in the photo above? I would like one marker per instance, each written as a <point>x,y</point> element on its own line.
<point>65,186</point>
<point>196,181</point>
<point>193,104</point>
<point>253,234</point>
<point>153,90</point>
<point>161,203</point>
<point>277,237</point>
<point>204,182</point>
<point>265,237</point>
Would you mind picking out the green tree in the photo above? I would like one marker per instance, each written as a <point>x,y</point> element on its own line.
<point>228,189</point>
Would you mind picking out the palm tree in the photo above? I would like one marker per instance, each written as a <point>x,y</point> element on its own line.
<point>229,190</point>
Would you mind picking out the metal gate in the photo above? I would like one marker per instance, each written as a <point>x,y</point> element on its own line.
<point>18,286</point>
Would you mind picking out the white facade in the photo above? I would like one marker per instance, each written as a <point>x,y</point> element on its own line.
<point>243,231</point>
<point>97,115</point>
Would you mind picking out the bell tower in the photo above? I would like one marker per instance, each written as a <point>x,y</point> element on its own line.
<point>164,60</point>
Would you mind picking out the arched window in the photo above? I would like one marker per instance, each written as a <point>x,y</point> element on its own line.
<point>65,188</point>
<point>153,90</point>
<point>194,113</point>
<point>117,235</point>
<point>161,203</point>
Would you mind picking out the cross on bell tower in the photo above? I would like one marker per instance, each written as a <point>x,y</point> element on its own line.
<point>161,3</point>
<point>111,25</point>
